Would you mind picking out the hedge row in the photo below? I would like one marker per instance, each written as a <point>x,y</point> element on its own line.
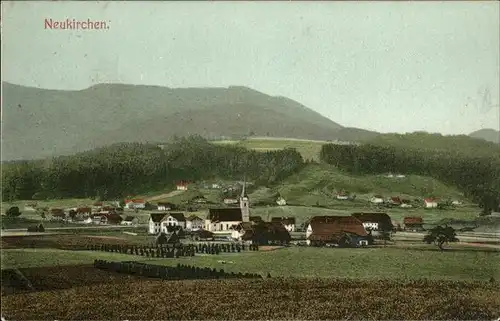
<point>169,250</point>
<point>179,272</point>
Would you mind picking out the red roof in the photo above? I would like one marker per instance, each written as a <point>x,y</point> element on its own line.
<point>413,220</point>
<point>140,201</point>
<point>330,227</point>
<point>183,183</point>
<point>396,200</point>
<point>430,200</point>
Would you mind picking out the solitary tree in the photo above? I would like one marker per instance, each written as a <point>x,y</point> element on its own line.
<point>13,211</point>
<point>441,235</point>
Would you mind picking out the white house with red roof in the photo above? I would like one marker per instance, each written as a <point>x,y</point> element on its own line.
<point>182,186</point>
<point>135,203</point>
<point>430,202</point>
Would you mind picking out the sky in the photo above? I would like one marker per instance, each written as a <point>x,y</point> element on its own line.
<point>384,66</point>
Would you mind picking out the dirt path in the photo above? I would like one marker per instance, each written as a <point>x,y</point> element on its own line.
<point>166,195</point>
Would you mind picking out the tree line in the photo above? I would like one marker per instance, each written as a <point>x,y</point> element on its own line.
<point>123,169</point>
<point>477,175</point>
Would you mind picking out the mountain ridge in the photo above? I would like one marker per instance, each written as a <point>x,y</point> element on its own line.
<point>46,122</point>
<point>487,134</point>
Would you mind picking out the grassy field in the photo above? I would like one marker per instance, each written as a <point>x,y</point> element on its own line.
<point>458,263</point>
<point>309,149</point>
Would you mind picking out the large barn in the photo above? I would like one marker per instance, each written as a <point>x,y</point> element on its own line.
<point>339,230</point>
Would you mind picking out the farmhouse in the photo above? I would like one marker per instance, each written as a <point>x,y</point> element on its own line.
<point>84,211</point>
<point>182,186</point>
<point>340,230</point>
<point>281,201</point>
<point>430,202</point>
<point>223,219</point>
<point>165,206</point>
<point>288,222</point>
<point>130,220</point>
<point>58,213</point>
<point>262,233</point>
<point>194,223</point>
<point>172,219</point>
<point>229,201</point>
<point>376,222</point>
<point>377,199</point>
<point>135,203</point>
<point>342,196</point>
<point>413,224</point>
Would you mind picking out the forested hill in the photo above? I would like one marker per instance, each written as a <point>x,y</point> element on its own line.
<point>130,168</point>
<point>41,122</point>
<point>437,143</point>
<point>470,164</point>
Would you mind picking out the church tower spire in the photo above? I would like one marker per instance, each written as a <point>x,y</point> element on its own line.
<point>244,204</point>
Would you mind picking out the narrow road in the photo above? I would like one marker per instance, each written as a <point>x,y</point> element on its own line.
<point>162,196</point>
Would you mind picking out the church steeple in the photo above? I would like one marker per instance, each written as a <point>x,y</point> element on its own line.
<point>244,204</point>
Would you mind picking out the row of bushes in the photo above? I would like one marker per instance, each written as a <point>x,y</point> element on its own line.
<point>179,272</point>
<point>159,252</point>
<point>177,250</point>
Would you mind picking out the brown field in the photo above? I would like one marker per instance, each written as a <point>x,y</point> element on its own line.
<point>61,241</point>
<point>103,295</point>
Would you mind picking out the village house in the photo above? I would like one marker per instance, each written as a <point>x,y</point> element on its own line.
<point>99,219</point>
<point>377,199</point>
<point>31,207</point>
<point>194,223</point>
<point>199,200</point>
<point>288,222</point>
<point>83,211</point>
<point>130,220</point>
<point>430,203</point>
<point>182,186</point>
<point>376,223</point>
<point>281,201</point>
<point>154,222</point>
<point>413,224</point>
<point>394,201</point>
<point>230,201</point>
<point>172,219</point>
<point>135,204</point>
<point>224,219</point>
<point>58,213</point>
<point>339,230</point>
<point>113,218</point>
<point>165,206</point>
<point>456,203</point>
<point>406,203</point>
<point>342,196</point>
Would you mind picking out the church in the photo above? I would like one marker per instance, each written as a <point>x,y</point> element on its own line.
<point>224,219</point>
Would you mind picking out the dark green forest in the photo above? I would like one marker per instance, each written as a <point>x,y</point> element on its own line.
<point>130,168</point>
<point>471,165</point>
